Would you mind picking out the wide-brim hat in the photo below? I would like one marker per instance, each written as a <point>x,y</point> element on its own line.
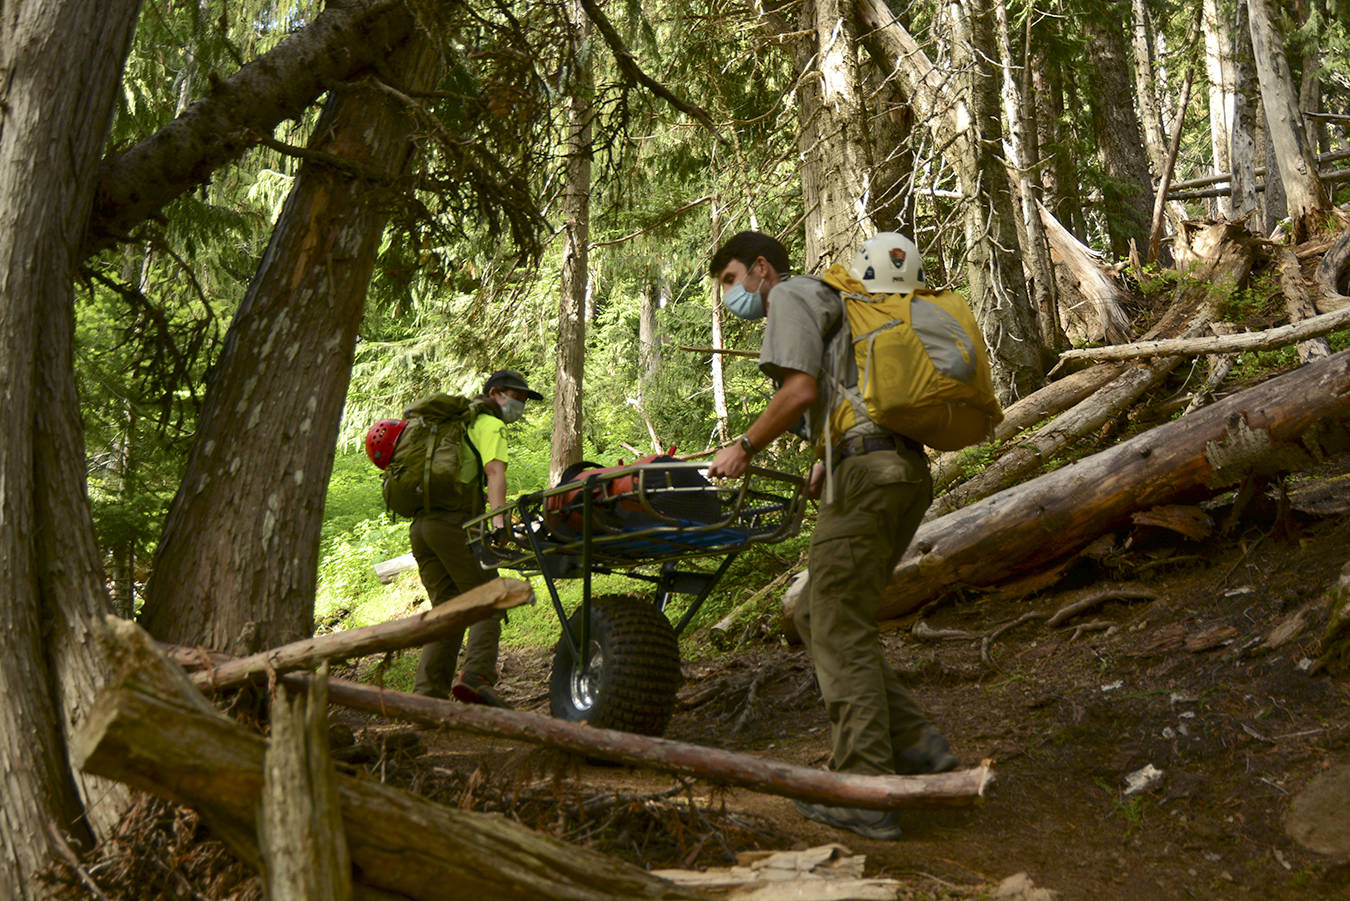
<point>509,379</point>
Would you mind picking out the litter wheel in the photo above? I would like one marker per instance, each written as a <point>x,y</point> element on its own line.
<point>632,672</point>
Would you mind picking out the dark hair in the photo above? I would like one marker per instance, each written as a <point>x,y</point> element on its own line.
<point>747,247</point>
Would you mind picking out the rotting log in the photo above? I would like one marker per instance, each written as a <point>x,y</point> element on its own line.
<point>1276,426</point>
<point>954,789</point>
<point>152,729</point>
<point>303,844</point>
<point>432,625</point>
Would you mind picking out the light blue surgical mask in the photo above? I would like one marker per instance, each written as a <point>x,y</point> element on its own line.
<point>512,408</point>
<point>745,304</point>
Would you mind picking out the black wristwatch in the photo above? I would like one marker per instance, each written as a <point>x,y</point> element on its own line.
<point>747,445</point>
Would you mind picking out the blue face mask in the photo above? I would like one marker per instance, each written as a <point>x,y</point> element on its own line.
<point>743,303</point>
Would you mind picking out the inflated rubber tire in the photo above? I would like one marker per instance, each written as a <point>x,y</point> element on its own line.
<point>633,672</point>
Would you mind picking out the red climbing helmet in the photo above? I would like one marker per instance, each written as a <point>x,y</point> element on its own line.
<point>381,438</point>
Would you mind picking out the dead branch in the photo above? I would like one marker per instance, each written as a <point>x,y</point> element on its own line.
<point>1097,596</point>
<point>959,788</point>
<point>1282,336</point>
<point>432,625</point>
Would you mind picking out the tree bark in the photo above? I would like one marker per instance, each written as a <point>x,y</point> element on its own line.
<point>419,629</point>
<point>1222,100</point>
<point>1300,305</point>
<point>1242,147</point>
<point>831,141</point>
<point>1126,190</point>
<point>152,730</point>
<point>1306,197</point>
<point>61,60</point>
<point>574,289</point>
<point>1331,274</point>
<point>236,565</point>
<point>343,40</point>
<point>1270,428</point>
<point>300,834</point>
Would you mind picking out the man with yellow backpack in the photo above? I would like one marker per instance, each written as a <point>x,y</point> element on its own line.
<point>868,365</point>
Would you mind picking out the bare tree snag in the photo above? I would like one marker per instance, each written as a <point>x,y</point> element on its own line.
<point>955,789</point>
<point>1299,304</point>
<point>1331,274</point>
<point>342,40</point>
<point>1281,336</point>
<point>154,731</point>
<point>1272,427</point>
<point>1097,285</point>
<point>431,625</point>
<point>1051,400</point>
<point>304,847</point>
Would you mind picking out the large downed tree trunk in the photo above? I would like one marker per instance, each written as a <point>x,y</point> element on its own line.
<point>1270,428</point>
<point>154,731</point>
<point>1331,275</point>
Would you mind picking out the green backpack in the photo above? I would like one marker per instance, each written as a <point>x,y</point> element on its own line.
<point>424,472</point>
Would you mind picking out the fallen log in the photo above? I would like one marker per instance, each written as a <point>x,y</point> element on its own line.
<point>1270,339</point>
<point>151,729</point>
<point>1051,400</point>
<point>954,789</point>
<point>468,608</point>
<point>1273,427</point>
<point>1031,452</point>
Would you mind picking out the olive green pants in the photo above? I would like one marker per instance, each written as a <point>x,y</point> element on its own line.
<point>879,500</point>
<point>448,569</point>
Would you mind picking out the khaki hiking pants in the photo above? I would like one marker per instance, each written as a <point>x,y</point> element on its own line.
<point>879,499</point>
<point>448,569</point>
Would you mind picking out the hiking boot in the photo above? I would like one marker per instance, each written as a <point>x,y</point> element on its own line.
<point>474,689</point>
<point>930,754</point>
<point>881,825</point>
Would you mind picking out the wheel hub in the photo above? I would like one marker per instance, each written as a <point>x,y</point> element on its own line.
<point>585,683</point>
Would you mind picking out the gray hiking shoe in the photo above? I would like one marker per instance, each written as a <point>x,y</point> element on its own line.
<point>874,824</point>
<point>930,754</point>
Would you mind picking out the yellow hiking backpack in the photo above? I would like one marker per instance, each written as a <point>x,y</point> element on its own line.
<point>923,371</point>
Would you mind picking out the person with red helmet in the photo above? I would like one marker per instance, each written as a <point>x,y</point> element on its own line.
<point>446,565</point>
<point>381,438</point>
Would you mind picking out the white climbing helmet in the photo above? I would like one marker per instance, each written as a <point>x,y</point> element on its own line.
<point>889,263</point>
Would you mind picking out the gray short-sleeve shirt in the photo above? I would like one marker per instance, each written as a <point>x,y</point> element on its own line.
<point>804,332</point>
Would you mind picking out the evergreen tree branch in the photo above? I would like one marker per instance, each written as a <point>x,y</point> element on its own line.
<point>628,65</point>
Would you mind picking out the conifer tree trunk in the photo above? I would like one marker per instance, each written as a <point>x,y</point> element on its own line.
<point>567,422</point>
<point>1242,150</point>
<point>1222,99</point>
<point>1306,197</point>
<point>236,565</point>
<point>61,61</point>
<point>1127,191</point>
<point>831,140</point>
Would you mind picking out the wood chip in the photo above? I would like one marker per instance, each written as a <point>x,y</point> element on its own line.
<point>1210,638</point>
